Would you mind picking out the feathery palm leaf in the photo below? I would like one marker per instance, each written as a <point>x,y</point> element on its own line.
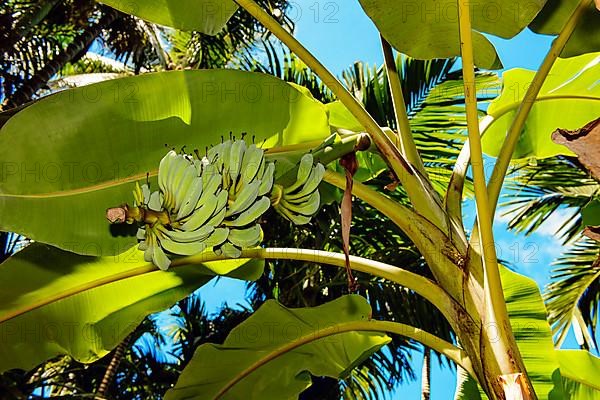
<point>573,296</point>
<point>235,42</point>
<point>540,189</point>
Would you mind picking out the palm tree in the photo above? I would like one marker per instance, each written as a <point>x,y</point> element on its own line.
<point>39,39</point>
<point>539,190</point>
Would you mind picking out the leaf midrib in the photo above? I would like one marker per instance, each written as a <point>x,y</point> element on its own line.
<point>83,190</point>
<point>515,104</point>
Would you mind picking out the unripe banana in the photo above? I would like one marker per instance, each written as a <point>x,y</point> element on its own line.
<point>307,207</point>
<point>267,180</point>
<point>251,214</point>
<point>218,237</point>
<point>300,201</point>
<point>312,183</point>
<point>238,148</point>
<point>246,197</point>
<point>190,236</point>
<point>296,219</point>
<point>184,249</point>
<point>229,250</point>
<point>191,199</point>
<point>304,170</point>
<point>246,238</point>
<point>253,162</point>
<point>201,215</point>
<point>156,201</point>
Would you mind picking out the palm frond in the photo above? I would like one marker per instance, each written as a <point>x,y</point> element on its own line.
<point>236,41</point>
<point>539,190</point>
<point>575,288</point>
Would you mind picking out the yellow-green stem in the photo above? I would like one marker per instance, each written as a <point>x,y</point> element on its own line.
<point>448,349</point>
<point>440,253</point>
<point>495,311</point>
<point>425,199</point>
<point>405,138</point>
<point>512,137</point>
<point>423,286</point>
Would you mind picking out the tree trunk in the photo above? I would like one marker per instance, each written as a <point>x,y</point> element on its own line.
<point>426,375</point>
<point>41,78</point>
<point>111,370</point>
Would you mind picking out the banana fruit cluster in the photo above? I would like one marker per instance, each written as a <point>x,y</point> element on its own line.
<point>215,202</point>
<point>300,201</point>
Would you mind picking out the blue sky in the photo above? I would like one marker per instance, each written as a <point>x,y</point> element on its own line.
<point>339,34</point>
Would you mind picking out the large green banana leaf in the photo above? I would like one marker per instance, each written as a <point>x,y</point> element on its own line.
<point>555,374</point>
<point>245,367</point>
<point>581,374</point>
<point>69,157</point>
<point>534,338</point>
<point>206,16</point>
<point>429,28</point>
<point>54,302</point>
<point>554,16</point>
<point>569,99</point>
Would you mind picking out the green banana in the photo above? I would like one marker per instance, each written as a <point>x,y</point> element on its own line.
<point>201,215</point>
<point>251,214</point>
<point>222,199</point>
<point>156,202</point>
<point>246,238</point>
<point>217,218</point>
<point>267,179</point>
<point>308,207</point>
<point>246,197</point>
<point>296,219</point>
<point>224,155</point>
<point>164,168</point>
<point>254,159</point>
<point>191,199</point>
<point>199,235</point>
<point>159,258</point>
<point>229,250</point>
<point>218,237</point>
<point>238,148</point>
<point>183,249</point>
<point>211,180</point>
<point>312,183</point>
<point>304,170</point>
<point>186,183</point>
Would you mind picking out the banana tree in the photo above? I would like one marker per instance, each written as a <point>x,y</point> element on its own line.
<point>87,283</point>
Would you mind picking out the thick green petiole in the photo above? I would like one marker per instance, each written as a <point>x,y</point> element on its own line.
<point>419,189</point>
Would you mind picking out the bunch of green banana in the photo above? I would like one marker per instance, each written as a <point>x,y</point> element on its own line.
<point>185,216</point>
<point>247,178</point>
<point>300,201</point>
<point>215,202</point>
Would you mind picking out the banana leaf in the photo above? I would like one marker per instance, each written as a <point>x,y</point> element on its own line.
<point>54,302</point>
<point>272,354</point>
<point>69,157</point>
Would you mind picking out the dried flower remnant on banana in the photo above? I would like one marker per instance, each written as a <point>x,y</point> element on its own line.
<point>215,202</point>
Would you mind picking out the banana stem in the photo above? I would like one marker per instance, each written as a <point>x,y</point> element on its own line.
<point>496,313</point>
<point>423,286</point>
<point>432,243</point>
<point>512,137</point>
<point>405,138</point>
<point>419,189</point>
